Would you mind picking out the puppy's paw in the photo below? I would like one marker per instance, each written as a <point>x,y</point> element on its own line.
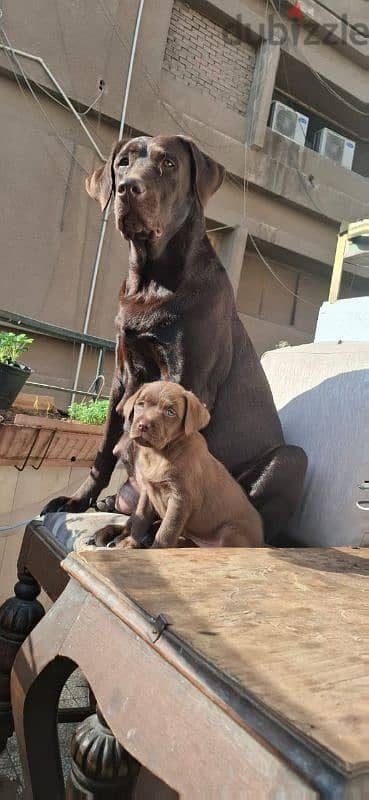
<point>108,535</point>
<point>107,504</point>
<point>159,544</point>
<point>126,544</point>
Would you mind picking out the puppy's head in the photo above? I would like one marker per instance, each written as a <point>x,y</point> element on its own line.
<point>161,412</point>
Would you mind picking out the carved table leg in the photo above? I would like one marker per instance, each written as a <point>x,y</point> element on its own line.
<point>18,616</point>
<point>101,768</point>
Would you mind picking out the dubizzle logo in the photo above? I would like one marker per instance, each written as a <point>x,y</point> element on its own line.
<point>294,12</point>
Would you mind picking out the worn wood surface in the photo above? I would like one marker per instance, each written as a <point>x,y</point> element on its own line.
<point>57,442</point>
<point>33,402</point>
<point>158,715</point>
<point>41,554</point>
<point>291,627</point>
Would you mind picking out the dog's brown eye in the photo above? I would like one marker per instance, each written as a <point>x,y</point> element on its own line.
<point>123,162</point>
<point>168,163</point>
<point>140,404</point>
<point>170,412</point>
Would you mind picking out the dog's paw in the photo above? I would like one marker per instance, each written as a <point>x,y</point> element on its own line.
<point>107,504</point>
<point>109,535</point>
<point>67,504</point>
<point>126,544</point>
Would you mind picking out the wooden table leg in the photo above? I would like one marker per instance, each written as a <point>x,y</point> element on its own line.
<point>18,617</point>
<point>35,708</point>
<point>38,676</point>
<point>101,768</point>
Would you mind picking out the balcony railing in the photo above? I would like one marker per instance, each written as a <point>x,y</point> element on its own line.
<point>31,325</point>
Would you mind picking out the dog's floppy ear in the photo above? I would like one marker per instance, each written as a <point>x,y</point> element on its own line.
<point>208,174</point>
<point>101,184</point>
<point>196,416</point>
<point>129,404</point>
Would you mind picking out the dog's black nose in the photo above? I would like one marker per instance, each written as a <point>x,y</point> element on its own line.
<point>131,186</point>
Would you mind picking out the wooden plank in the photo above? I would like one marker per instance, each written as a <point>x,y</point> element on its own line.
<point>51,462</point>
<point>51,424</point>
<point>34,402</point>
<point>41,554</point>
<point>289,626</point>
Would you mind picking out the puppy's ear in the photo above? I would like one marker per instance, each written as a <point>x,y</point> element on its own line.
<point>127,408</point>
<point>208,174</point>
<point>101,184</point>
<point>196,415</point>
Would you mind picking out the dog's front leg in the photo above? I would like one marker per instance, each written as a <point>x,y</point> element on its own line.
<point>141,521</point>
<point>173,523</point>
<point>134,531</point>
<point>104,463</point>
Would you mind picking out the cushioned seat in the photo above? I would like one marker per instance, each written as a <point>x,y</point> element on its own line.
<point>74,531</point>
<point>321,393</point>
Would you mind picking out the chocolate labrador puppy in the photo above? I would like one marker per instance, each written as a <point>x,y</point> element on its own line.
<point>177,321</point>
<point>188,489</point>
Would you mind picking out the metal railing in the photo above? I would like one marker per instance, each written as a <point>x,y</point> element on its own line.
<point>35,326</point>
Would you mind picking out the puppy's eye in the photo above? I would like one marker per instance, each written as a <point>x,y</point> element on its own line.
<point>170,412</point>
<point>168,163</point>
<point>139,404</point>
<point>123,162</point>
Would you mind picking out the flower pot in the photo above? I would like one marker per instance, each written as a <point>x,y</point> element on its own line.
<point>44,440</point>
<point>12,379</point>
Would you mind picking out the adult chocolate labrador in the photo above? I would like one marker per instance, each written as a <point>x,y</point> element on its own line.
<point>177,320</point>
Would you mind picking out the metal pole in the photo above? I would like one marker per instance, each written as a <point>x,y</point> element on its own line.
<point>61,91</point>
<point>106,213</point>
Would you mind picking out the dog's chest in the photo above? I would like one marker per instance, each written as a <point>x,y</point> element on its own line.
<point>153,476</point>
<point>149,341</point>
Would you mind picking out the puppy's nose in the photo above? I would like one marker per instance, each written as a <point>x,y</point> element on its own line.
<point>131,186</point>
<point>143,427</point>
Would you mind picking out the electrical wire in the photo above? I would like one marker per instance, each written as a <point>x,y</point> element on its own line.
<point>317,75</point>
<point>155,88</point>
<point>39,104</point>
<point>277,278</point>
<point>260,255</point>
<point>182,125</point>
<point>66,108</point>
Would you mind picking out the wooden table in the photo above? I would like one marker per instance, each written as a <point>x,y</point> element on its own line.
<point>230,674</point>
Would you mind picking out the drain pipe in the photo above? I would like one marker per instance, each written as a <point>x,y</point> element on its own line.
<point>96,266</point>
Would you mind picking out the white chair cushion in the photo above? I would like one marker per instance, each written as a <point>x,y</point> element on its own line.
<point>321,392</point>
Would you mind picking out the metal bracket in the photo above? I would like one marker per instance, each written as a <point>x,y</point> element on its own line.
<point>160,623</point>
<point>44,454</point>
<point>25,462</point>
<point>29,454</point>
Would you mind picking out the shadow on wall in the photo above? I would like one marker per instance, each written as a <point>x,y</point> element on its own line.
<point>331,422</point>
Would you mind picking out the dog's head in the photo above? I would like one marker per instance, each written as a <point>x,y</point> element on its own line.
<point>154,182</point>
<point>162,412</point>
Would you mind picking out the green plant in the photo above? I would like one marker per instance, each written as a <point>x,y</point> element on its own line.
<point>94,412</point>
<point>12,345</point>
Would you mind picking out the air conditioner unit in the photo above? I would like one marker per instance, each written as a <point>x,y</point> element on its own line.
<point>334,146</point>
<point>289,123</point>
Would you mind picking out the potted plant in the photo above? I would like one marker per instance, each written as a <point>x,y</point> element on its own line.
<point>12,374</point>
<point>94,412</point>
<point>52,438</point>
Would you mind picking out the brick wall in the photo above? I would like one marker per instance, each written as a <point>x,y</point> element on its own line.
<point>199,53</point>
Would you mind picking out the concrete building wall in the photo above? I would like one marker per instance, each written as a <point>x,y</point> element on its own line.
<point>294,201</point>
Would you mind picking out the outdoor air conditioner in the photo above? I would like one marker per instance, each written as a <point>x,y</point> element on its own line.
<point>289,123</point>
<point>334,146</point>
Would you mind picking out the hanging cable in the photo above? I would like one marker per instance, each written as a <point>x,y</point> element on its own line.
<point>317,75</point>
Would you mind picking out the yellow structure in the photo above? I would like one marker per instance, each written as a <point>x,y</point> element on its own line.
<point>352,248</point>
